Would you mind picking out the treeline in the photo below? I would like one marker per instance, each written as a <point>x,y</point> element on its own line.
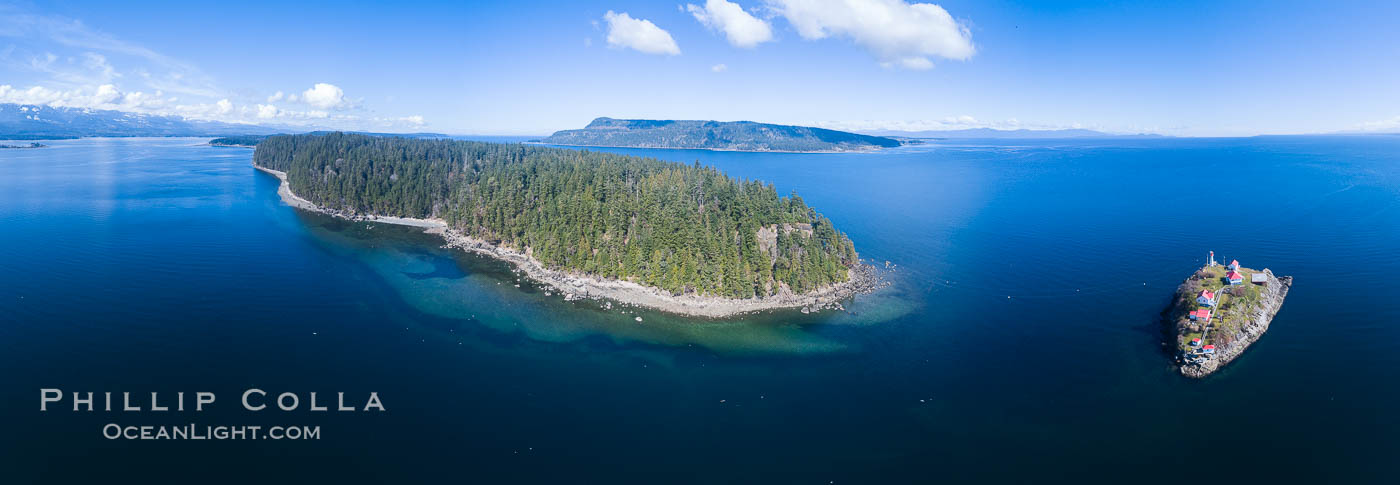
<point>682,228</point>
<point>238,141</point>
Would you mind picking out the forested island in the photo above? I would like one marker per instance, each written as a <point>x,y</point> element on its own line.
<point>587,220</point>
<point>1220,311</point>
<point>253,140</point>
<point>716,135</point>
<point>238,141</point>
<point>31,145</point>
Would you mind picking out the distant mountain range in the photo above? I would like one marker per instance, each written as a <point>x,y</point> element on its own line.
<point>254,140</point>
<point>33,122</point>
<point>716,135</point>
<point>1023,134</point>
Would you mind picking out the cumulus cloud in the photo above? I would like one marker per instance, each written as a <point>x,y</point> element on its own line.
<point>741,28</point>
<point>325,96</point>
<point>71,65</point>
<point>897,33</point>
<point>638,34</point>
<point>719,68</point>
<point>106,96</point>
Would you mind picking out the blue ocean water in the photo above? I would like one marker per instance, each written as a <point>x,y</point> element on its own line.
<point>1019,341</point>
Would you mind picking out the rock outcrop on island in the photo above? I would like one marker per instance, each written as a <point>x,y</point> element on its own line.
<point>1219,312</point>
<point>716,135</point>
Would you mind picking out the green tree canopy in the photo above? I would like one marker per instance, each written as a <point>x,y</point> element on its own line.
<point>683,228</point>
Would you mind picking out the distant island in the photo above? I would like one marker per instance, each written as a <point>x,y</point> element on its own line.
<point>1219,311</point>
<point>31,145</point>
<point>716,135</point>
<point>1018,134</point>
<point>676,237</point>
<point>238,141</point>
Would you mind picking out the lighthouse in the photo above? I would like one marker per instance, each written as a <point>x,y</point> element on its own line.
<point>1210,260</point>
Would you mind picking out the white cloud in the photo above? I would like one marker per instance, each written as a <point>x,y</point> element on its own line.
<point>898,34</point>
<point>719,68</point>
<point>638,34</point>
<point>325,96</point>
<point>106,96</point>
<point>171,75</point>
<point>72,65</point>
<point>741,28</point>
<point>97,63</point>
<point>110,97</point>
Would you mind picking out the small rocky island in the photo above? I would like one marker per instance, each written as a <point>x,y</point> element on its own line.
<point>1220,311</point>
<point>31,145</point>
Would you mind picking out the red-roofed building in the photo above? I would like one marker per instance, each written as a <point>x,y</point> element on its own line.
<point>1195,342</point>
<point>1234,264</point>
<point>1206,298</point>
<point>1201,315</point>
<point>1210,349</point>
<point>1234,277</point>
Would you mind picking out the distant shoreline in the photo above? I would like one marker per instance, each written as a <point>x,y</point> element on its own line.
<point>861,279</point>
<point>863,150</point>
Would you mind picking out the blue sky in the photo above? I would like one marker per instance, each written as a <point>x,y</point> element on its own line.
<point>1216,68</point>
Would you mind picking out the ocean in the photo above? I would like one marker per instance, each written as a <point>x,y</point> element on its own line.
<point>1019,341</point>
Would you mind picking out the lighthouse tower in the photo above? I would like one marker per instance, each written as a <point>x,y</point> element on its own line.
<point>1210,261</point>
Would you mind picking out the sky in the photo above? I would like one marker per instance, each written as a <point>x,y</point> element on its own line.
<point>1186,68</point>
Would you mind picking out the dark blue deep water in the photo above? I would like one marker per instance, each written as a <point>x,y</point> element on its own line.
<point>1019,341</point>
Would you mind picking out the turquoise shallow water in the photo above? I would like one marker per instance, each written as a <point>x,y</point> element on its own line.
<point>1019,341</point>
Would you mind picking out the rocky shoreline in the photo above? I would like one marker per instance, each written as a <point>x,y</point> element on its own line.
<point>862,279</point>
<point>1259,317</point>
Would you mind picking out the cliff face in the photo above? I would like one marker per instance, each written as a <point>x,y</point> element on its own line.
<point>1238,337</point>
